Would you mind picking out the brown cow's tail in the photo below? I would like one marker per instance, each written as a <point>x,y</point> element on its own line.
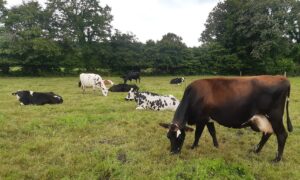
<point>289,123</point>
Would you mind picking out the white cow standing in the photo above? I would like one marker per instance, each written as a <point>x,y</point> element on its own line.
<point>92,80</point>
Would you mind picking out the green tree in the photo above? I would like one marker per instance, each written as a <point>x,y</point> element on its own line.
<point>82,22</point>
<point>27,39</point>
<point>150,53</point>
<point>257,32</point>
<point>213,58</point>
<point>126,52</point>
<point>171,53</point>
<point>5,53</point>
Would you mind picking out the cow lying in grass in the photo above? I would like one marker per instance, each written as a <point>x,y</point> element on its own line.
<point>148,100</point>
<point>123,88</point>
<point>37,98</point>
<point>177,81</point>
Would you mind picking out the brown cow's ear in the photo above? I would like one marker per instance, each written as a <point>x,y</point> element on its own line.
<point>165,125</point>
<point>188,129</point>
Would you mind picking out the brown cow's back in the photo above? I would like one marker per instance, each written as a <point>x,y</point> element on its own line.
<point>223,89</point>
<point>230,98</point>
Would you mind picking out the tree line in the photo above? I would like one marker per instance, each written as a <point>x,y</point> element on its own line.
<point>68,36</point>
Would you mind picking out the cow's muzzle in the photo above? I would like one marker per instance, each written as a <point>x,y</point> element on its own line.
<point>174,152</point>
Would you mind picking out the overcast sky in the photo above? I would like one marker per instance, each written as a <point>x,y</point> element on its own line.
<point>151,19</point>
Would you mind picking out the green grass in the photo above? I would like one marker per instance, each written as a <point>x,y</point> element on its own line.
<point>94,137</point>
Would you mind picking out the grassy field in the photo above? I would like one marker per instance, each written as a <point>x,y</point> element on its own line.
<point>94,137</point>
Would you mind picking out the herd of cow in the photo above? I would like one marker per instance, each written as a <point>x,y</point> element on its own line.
<point>237,102</point>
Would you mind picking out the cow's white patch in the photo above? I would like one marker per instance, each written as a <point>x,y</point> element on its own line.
<point>57,97</point>
<point>104,91</point>
<point>22,104</point>
<point>130,95</point>
<point>262,123</point>
<point>287,99</point>
<point>31,93</point>
<point>178,132</point>
<point>139,107</point>
<point>18,97</point>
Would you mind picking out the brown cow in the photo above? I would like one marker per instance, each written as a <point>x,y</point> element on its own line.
<point>235,102</point>
<point>108,82</point>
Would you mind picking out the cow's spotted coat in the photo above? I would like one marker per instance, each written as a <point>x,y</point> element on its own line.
<point>153,101</point>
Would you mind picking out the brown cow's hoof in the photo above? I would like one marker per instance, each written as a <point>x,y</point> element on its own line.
<point>276,160</point>
<point>252,151</point>
<point>216,145</point>
<point>194,146</point>
<point>174,152</point>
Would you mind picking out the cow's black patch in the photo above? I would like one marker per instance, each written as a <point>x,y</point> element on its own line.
<point>123,88</point>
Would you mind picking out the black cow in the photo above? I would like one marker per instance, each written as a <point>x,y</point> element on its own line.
<point>177,80</point>
<point>37,98</point>
<point>256,101</point>
<point>123,88</point>
<point>130,76</point>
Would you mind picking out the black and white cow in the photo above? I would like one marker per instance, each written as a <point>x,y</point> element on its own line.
<point>37,98</point>
<point>123,88</point>
<point>177,80</point>
<point>153,101</point>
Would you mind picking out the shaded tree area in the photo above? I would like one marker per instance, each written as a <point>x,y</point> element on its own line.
<point>262,35</point>
<point>71,36</point>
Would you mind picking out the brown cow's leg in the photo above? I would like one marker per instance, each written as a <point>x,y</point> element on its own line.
<point>262,142</point>
<point>198,132</point>
<point>212,131</point>
<point>281,135</point>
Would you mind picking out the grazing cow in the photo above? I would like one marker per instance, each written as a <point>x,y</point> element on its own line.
<point>37,98</point>
<point>177,80</point>
<point>153,101</point>
<point>92,80</point>
<point>108,82</point>
<point>236,102</point>
<point>132,75</point>
<point>122,88</point>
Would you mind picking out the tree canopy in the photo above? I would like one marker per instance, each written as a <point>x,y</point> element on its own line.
<point>67,36</point>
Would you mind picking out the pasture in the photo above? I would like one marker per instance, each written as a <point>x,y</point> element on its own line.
<point>90,136</point>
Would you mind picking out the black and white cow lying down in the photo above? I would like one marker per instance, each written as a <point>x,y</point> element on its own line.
<point>153,101</point>
<point>37,98</point>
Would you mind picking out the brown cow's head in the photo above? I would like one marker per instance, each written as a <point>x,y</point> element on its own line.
<point>176,136</point>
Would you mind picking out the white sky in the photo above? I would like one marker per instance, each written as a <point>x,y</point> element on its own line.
<point>151,19</point>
